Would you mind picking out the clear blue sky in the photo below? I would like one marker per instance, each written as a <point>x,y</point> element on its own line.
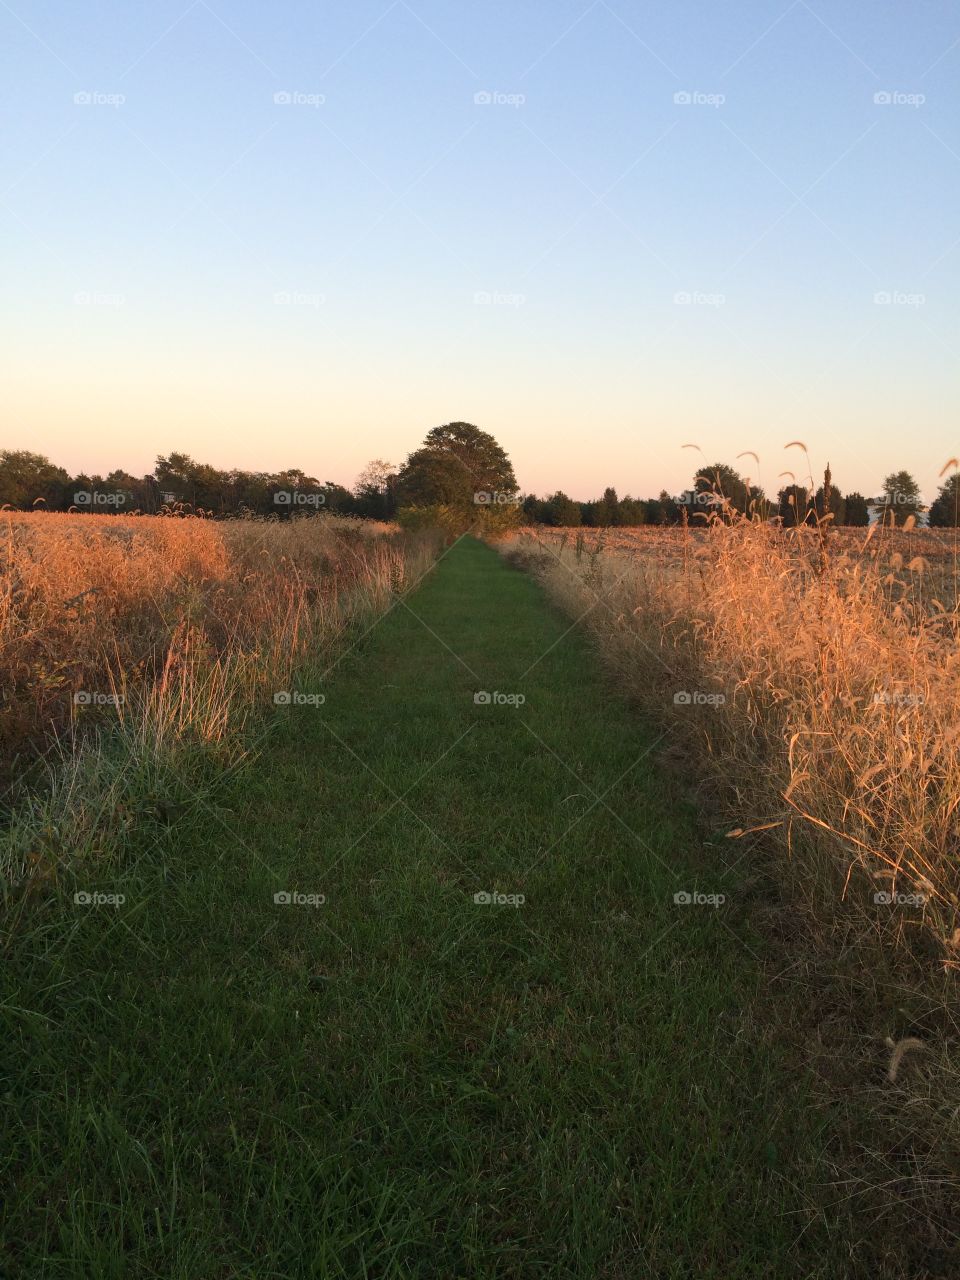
<point>148,233</point>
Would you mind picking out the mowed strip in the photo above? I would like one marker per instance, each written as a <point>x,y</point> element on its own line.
<point>414,997</point>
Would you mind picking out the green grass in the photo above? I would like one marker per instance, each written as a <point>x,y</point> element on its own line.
<point>402,1082</point>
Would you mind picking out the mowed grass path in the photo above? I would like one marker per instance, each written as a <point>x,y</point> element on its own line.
<point>403,1082</point>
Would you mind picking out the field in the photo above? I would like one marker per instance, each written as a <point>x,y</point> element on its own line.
<point>377,905</point>
<point>810,692</point>
<point>136,650</point>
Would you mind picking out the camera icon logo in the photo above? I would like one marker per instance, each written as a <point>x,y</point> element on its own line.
<point>282,699</point>
<point>682,699</point>
<point>283,497</point>
<point>883,98</point>
<point>483,98</point>
<point>83,498</point>
<point>283,898</point>
<point>682,899</point>
<point>483,899</point>
<point>82,698</point>
<point>283,98</point>
<point>482,497</point>
<point>482,698</point>
<point>82,899</point>
<point>883,899</point>
<point>683,98</point>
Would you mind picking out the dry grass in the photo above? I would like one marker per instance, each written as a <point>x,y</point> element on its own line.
<point>827,741</point>
<point>173,633</point>
<point>140,607</point>
<point>841,678</point>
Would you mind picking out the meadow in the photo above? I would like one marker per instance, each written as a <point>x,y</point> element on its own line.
<point>136,652</point>
<point>383,902</point>
<point>808,684</point>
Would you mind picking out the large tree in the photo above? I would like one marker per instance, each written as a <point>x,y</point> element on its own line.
<point>454,463</point>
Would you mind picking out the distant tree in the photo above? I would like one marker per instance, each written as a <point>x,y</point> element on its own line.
<point>723,481</point>
<point>561,511</point>
<point>655,510</point>
<point>632,512</point>
<point>794,506</point>
<point>605,511</point>
<point>837,504</point>
<point>533,508</point>
<point>29,479</point>
<point>336,498</point>
<point>856,510</point>
<point>900,498</point>
<point>478,452</point>
<point>376,489</point>
<point>375,476</point>
<point>455,462</point>
<point>945,509</point>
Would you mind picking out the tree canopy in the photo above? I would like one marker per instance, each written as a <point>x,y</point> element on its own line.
<point>456,462</point>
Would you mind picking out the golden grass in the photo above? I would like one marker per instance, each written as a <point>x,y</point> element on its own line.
<point>176,625</point>
<point>840,681</point>
<point>833,762</point>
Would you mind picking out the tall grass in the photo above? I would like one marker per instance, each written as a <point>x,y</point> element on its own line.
<point>809,685</point>
<point>137,654</point>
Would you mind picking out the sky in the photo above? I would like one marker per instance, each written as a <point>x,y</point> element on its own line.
<point>303,234</point>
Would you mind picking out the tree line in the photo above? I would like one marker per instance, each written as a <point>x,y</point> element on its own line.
<point>719,488</point>
<point>180,486</point>
<point>463,473</point>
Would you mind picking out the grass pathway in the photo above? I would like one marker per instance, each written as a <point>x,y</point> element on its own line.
<point>404,1082</point>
